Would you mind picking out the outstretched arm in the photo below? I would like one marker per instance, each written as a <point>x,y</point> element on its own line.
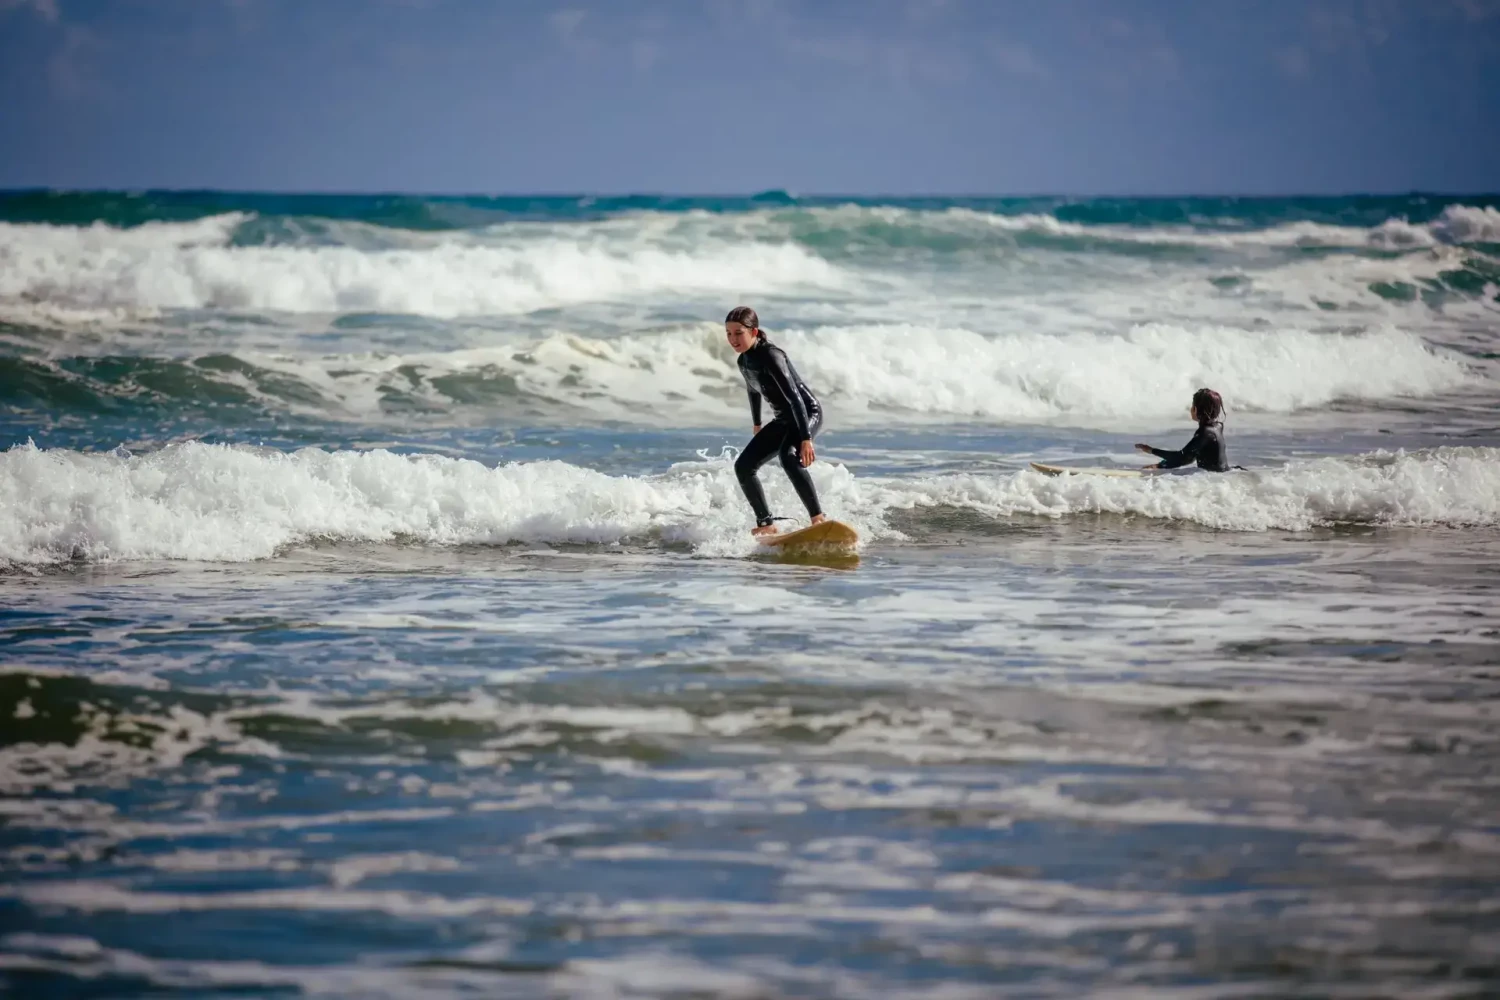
<point>1177,459</point>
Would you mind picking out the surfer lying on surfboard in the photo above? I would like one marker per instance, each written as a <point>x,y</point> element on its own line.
<point>796,418</point>
<point>1207,445</point>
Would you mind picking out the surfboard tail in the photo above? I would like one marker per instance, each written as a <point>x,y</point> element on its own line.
<point>1075,470</point>
<point>825,535</point>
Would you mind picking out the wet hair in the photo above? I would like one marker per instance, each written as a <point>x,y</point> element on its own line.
<point>744,316</point>
<point>1209,404</point>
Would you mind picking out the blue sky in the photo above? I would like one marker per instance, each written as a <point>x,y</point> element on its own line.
<point>735,96</point>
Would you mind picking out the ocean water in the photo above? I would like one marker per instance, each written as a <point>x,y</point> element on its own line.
<point>378,615</point>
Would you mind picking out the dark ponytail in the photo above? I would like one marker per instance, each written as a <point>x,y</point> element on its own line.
<point>744,316</point>
<point>1210,406</point>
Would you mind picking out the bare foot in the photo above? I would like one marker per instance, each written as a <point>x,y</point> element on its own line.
<point>763,529</point>
<point>819,519</point>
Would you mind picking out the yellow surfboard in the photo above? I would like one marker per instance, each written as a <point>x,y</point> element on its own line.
<point>1058,470</point>
<point>829,536</point>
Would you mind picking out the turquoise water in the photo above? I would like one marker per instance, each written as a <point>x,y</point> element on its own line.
<point>378,615</point>
<point>429,212</point>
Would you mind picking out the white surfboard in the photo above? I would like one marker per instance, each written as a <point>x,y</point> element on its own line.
<point>1071,470</point>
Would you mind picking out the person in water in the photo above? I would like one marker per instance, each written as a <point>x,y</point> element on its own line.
<point>1207,445</point>
<point>796,418</point>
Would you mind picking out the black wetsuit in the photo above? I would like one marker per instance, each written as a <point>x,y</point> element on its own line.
<point>797,417</point>
<point>1207,446</point>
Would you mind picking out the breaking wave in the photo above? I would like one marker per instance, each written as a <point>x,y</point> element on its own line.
<point>222,503</point>
<point>688,376</point>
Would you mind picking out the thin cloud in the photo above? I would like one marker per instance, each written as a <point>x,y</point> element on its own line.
<point>921,10</point>
<point>1128,53</point>
<point>1018,60</point>
<point>1352,27</point>
<point>566,22</point>
<point>577,34</point>
<point>750,11</point>
<point>1292,62</point>
<point>568,25</point>
<point>644,53</point>
<point>45,9</point>
<point>70,70</point>
<point>1478,10</point>
<point>902,62</point>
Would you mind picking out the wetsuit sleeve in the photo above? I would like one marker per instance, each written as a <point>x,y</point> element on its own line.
<point>781,374</point>
<point>754,407</point>
<point>1189,452</point>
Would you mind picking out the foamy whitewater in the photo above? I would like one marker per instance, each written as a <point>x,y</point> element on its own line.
<point>380,617</point>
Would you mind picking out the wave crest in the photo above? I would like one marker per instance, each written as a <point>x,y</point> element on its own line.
<point>688,376</point>
<point>162,266</point>
<point>851,226</point>
<point>223,503</point>
<point>1451,487</point>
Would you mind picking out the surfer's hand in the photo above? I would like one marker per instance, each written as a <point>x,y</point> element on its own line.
<point>807,454</point>
<point>1143,447</point>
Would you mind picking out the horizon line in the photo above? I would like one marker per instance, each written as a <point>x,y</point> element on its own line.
<point>768,193</point>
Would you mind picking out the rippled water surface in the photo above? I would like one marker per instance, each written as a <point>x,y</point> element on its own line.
<point>1060,757</point>
<point>378,616</point>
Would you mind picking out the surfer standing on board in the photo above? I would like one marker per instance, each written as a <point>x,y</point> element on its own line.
<point>796,418</point>
<point>1207,445</point>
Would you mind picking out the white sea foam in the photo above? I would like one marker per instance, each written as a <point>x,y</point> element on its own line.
<point>163,742</point>
<point>890,373</point>
<point>1395,234</point>
<point>69,272</point>
<point>207,502</point>
<point>164,266</point>
<point>1147,372</point>
<point>1455,225</point>
<point>1447,486</point>
<point>1123,337</point>
<point>1468,224</point>
<point>220,503</point>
